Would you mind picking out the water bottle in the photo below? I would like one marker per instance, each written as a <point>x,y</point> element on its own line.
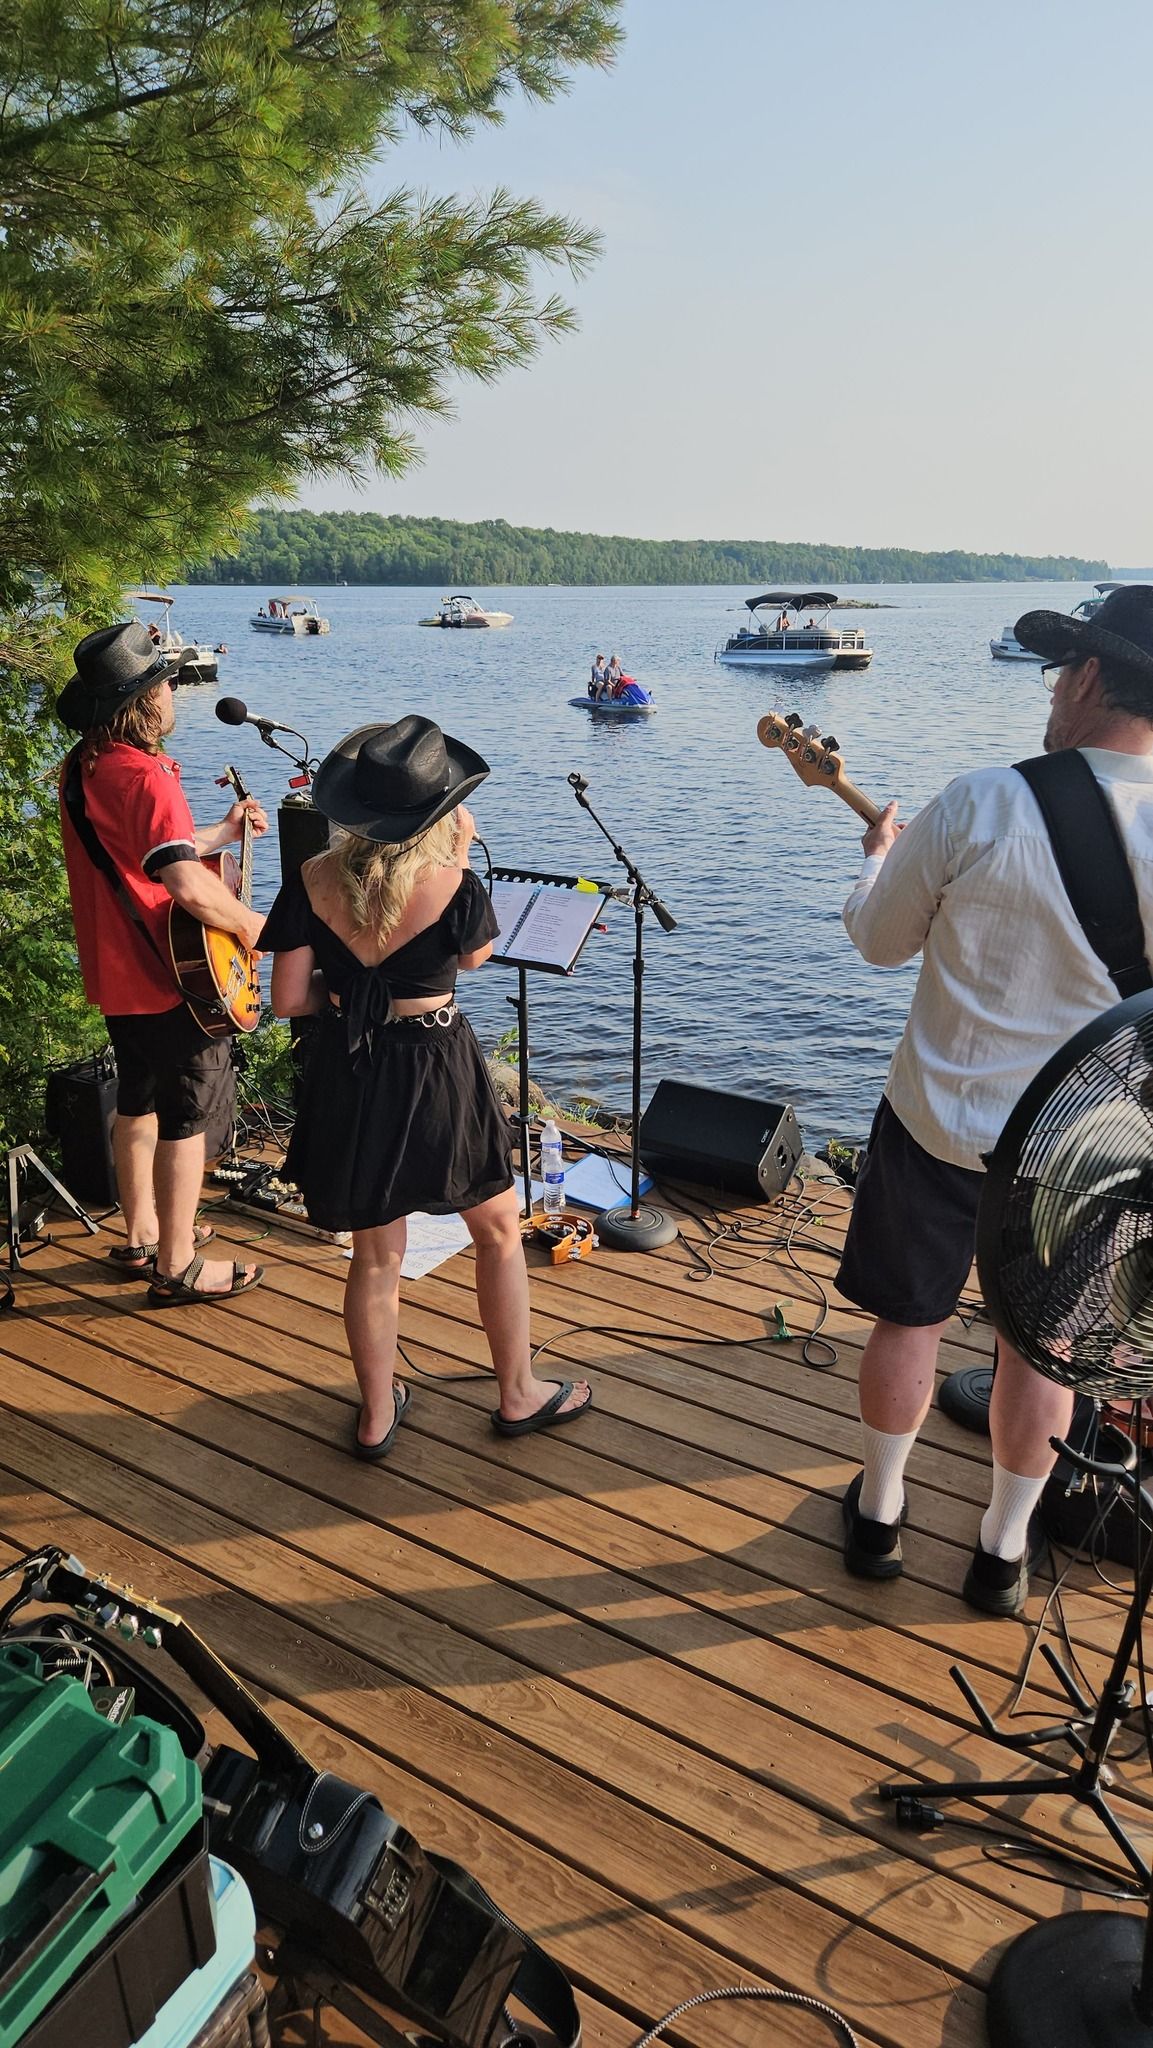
<point>552,1170</point>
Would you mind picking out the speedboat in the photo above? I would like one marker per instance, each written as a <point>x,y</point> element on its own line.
<point>630,700</point>
<point>1009,648</point>
<point>462,610</point>
<point>289,615</point>
<point>197,664</point>
<point>779,640</point>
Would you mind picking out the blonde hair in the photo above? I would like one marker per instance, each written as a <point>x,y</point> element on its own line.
<point>375,882</point>
<point>139,723</point>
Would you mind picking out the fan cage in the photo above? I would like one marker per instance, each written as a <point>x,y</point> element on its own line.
<point>1065,1236</point>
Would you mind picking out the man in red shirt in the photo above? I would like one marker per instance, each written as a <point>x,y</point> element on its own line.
<point>122,804</point>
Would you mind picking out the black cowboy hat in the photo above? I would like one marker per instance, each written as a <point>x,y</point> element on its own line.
<point>1120,632</point>
<point>391,782</point>
<point>113,666</point>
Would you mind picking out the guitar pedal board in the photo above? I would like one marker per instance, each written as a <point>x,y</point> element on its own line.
<point>257,1185</point>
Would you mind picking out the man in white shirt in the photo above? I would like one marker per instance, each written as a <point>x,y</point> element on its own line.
<point>1007,977</point>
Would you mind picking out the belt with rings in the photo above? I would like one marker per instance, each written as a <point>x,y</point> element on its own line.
<point>446,1014</point>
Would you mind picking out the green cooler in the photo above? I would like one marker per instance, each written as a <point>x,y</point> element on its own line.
<point>89,1811</point>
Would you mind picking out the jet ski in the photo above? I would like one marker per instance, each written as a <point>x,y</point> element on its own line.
<point>629,700</point>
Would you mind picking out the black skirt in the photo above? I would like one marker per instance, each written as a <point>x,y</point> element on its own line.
<point>420,1127</point>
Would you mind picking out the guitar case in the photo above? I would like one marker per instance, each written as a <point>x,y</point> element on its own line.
<point>349,1884</point>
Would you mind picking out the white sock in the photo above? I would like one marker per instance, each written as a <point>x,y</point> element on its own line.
<point>1005,1523</point>
<point>883,1484</point>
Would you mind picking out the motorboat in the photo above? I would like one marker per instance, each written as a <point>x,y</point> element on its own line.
<point>289,615</point>
<point>197,663</point>
<point>1009,648</point>
<point>463,610</point>
<point>628,699</point>
<point>780,640</point>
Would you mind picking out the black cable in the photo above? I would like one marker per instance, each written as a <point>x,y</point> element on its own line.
<point>1008,1851</point>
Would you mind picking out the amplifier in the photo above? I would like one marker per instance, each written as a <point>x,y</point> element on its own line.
<point>301,832</point>
<point>717,1140</point>
<point>79,1112</point>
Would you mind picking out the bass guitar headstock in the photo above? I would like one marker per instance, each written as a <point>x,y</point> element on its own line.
<point>817,761</point>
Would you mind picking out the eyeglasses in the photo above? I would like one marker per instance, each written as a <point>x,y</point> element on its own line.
<point>1051,674</point>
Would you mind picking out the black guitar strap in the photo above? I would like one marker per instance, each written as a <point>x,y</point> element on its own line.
<point>1092,862</point>
<point>72,793</point>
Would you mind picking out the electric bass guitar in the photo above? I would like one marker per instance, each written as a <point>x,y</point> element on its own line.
<point>215,969</point>
<point>817,761</point>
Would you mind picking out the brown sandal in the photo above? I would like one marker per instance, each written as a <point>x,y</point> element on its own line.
<point>169,1289</point>
<point>139,1260</point>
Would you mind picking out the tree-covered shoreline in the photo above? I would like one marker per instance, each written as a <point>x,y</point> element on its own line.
<point>286,548</point>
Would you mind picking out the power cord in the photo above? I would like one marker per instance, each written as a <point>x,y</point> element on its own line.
<point>828,2013</point>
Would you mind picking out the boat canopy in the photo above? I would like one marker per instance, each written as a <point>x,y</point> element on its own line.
<point>148,597</point>
<point>813,600</point>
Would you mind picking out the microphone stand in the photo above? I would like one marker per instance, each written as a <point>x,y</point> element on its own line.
<point>306,763</point>
<point>635,1228</point>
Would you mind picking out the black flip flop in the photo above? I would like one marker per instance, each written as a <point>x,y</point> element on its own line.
<point>400,1398</point>
<point>550,1416</point>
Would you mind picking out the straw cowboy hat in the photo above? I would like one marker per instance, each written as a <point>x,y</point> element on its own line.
<point>1120,632</point>
<point>113,665</point>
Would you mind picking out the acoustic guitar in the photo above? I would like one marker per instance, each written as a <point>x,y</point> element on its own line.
<point>817,761</point>
<point>215,969</point>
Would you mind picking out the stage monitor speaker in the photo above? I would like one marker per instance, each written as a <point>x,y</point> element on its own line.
<point>717,1140</point>
<point>79,1112</point>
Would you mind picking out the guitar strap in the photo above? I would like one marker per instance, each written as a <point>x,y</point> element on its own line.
<point>72,793</point>
<point>1092,862</point>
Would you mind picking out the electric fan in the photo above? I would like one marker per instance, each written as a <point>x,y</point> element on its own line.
<point>1065,1258</point>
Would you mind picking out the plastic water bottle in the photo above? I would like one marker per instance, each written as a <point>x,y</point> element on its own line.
<point>552,1170</point>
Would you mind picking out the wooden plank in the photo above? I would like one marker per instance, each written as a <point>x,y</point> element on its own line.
<point>415,1577</point>
<point>746,1923</point>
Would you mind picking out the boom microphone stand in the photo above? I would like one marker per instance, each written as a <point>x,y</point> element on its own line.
<point>634,1229</point>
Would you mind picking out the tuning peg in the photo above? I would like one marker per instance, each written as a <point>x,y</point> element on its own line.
<point>812,732</point>
<point>794,719</point>
<point>831,742</point>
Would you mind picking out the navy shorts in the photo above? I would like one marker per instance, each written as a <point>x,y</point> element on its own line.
<point>912,1232</point>
<point>169,1069</point>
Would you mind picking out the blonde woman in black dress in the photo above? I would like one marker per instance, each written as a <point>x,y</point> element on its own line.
<point>398,1112</point>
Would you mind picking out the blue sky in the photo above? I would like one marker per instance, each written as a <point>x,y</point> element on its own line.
<point>872,273</point>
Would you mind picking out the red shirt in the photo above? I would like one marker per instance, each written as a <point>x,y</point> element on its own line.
<point>140,814</point>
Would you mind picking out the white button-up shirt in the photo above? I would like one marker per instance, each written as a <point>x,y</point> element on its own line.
<point>1008,975</point>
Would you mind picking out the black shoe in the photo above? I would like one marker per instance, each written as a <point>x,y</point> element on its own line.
<point>872,1549</point>
<point>1000,1585</point>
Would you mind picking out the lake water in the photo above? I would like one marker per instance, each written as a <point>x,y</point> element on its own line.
<point>758,988</point>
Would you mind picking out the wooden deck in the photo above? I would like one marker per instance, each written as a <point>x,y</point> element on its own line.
<point>618,1670</point>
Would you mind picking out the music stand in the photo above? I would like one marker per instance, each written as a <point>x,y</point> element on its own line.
<point>546,940</point>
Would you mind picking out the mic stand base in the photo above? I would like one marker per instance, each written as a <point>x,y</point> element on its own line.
<point>621,1231</point>
<point>1071,1982</point>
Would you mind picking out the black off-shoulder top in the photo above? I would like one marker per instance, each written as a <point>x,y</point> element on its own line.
<point>424,966</point>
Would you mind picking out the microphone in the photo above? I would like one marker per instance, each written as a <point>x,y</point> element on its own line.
<point>577,782</point>
<point>234,711</point>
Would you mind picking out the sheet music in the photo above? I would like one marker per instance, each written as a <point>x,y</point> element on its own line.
<point>510,900</point>
<point>541,925</point>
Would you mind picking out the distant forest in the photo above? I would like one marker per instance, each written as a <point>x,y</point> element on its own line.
<point>283,549</point>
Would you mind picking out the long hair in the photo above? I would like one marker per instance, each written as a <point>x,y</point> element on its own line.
<point>139,723</point>
<point>375,882</point>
